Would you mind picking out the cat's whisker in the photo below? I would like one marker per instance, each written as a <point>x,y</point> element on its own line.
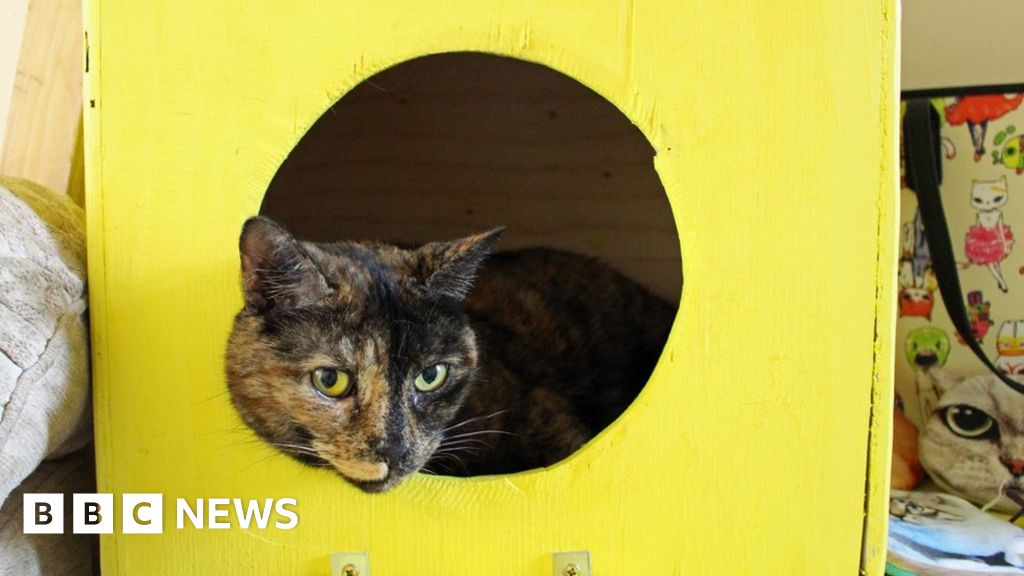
<point>462,441</point>
<point>470,443</point>
<point>458,454</point>
<point>455,457</point>
<point>256,463</point>
<point>474,419</point>
<point>295,453</point>
<point>466,447</point>
<point>219,394</point>
<point>458,447</point>
<point>999,495</point>
<point>459,450</point>
<point>295,447</point>
<point>479,432</point>
<point>241,437</point>
<point>239,431</point>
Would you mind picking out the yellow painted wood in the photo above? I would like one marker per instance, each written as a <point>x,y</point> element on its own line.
<point>760,444</point>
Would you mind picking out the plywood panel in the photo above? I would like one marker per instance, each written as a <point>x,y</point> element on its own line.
<point>760,444</point>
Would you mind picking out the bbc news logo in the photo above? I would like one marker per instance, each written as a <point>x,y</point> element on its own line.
<point>144,513</point>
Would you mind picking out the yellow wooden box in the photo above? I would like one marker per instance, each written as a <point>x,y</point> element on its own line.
<point>761,443</point>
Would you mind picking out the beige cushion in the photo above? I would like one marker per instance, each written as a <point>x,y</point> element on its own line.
<point>44,386</point>
<point>66,554</point>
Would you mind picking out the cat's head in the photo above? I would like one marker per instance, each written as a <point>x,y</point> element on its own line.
<point>989,195</point>
<point>973,443</point>
<point>354,356</point>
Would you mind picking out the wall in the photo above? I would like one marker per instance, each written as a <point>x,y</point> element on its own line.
<point>961,42</point>
<point>939,49</point>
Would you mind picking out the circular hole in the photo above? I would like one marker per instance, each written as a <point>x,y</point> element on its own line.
<point>442,148</point>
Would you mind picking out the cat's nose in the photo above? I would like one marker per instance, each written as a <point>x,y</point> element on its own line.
<point>1016,467</point>
<point>394,451</point>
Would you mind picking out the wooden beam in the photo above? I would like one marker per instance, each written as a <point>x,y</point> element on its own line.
<point>46,102</point>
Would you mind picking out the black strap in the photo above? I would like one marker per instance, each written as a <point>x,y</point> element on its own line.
<point>923,173</point>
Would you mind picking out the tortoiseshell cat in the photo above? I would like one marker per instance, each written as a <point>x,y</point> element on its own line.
<point>376,360</point>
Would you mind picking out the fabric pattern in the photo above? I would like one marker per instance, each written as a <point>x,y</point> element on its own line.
<point>983,197</point>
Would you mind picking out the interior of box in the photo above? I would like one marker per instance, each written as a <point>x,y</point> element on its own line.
<point>447,145</point>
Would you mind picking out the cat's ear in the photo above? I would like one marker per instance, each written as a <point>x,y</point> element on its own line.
<point>448,269</point>
<point>276,270</point>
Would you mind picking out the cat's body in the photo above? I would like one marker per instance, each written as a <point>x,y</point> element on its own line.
<point>566,344</point>
<point>379,361</point>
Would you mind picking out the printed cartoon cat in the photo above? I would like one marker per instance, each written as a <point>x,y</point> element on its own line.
<point>927,349</point>
<point>989,241</point>
<point>973,443</point>
<point>916,278</point>
<point>378,361</point>
<point>976,111</point>
<point>1010,346</point>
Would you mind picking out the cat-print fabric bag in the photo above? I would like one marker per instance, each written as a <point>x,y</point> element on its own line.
<point>960,382</point>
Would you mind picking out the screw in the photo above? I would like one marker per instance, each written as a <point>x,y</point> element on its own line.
<point>572,570</point>
<point>349,570</point>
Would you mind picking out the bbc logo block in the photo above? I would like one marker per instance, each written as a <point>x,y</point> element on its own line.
<point>144,513</point>
<point>43,514</point>
<point>92,514</point>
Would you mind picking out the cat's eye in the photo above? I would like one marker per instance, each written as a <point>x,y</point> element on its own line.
<point>969,422</point>
<point>432,378</point>
<point>331,382</point>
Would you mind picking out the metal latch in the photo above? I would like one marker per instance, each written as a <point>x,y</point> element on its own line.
<point>350,564</point>
<point>571,563</point>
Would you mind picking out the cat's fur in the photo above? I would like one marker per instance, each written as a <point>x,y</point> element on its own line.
<point>545,349</point>
<point>987,468</point>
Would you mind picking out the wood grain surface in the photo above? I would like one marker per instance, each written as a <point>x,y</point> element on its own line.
<point>761,443</point>
<point>44,119</point>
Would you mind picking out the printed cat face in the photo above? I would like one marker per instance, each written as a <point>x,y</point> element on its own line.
<point>927,347</point>
<point>973,443</point>
<point>353,356</point>
<point>987,195</point>
<point>1011,338</point>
